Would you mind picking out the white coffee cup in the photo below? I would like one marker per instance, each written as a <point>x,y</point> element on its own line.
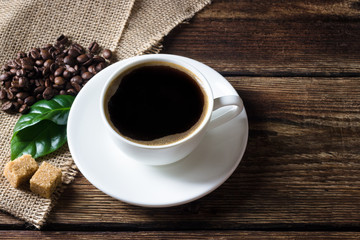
<point>174,151</point>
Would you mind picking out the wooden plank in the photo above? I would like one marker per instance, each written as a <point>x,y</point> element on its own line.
<point>7,220</point>
<point>273,38</point>
<point>178,235</point>
<point>301,167</point>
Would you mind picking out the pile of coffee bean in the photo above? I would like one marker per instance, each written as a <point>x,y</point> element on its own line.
<point>42,73</point>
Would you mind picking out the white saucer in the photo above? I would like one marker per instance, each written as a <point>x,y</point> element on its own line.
<point>114,173</point>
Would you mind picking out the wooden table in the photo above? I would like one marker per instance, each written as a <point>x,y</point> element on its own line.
<point>296,64</point>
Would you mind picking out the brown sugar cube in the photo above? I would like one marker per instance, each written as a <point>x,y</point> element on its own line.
<point>45,180</point>
<point>20,170</point>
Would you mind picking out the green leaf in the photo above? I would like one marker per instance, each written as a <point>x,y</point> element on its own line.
<point>38,140</point>
<point>43,129</point>
<point>55,110</point>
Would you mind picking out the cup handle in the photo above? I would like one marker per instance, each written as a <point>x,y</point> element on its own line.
<point>230,100</point>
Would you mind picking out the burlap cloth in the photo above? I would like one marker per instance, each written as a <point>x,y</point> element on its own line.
<point>128,27</point>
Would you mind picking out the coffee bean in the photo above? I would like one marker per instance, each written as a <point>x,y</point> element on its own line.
<point>39,89</point>
<point>23,81</point>
<point>26,61</point>
<point>7,84</point>
<point>5,67</point>
<point>24,109</point>
<point>12,64</point>
<point>30,100</point>
<point>71,91</point>
<point>87,75</point>
<point>56,92</point>
<point>69,61</point>
<point>10,95</point>
<point>68,85</point>
<point>58,72</point>
<point>62,92</point>
<point>15,83</point>
<point>76,79</point>
<point>7,106</point>
<point>46,72</point>
<point>35,54</point>
<point>73,52</point>
<point>39,62</point>
<point>88,62</point>
<point>29,60</point>
<point>53,67</point>
<point>67,74</point>
<point>59,61</point>
<point>76,86</point>
<point>36,73</point>
<point>82,58</point>
<point>83,70</point>
<point>59,80</point>
<point>57,46</point>
<point>14,90</point>
<point>20,101</point>
<point>45,54</point>
<point>16,106</point>
<point>70,69</point>
<point>107,53</point>
<point>100,66</point>
<point>93,47</point>
<point>22,95</point>
<point>12,71</point>
<point>4,77</point>
<point>92,69</point>
<point>47,46</point>
<point>57,52</point>
<point>48,82</point>
<point>20,72</point>
<point>48,93</point>
<point>48,63</point>
<point>62,39</point>
<point>17,63</point>
<point>98,59</point>
<point>27,67</point>
<point>3,94</point>
<point>78,47</point>
<point>51,50</point>
<point>21,55</point>
<point>58,87</point>
<point>31,74</point>
<point>62,54</point>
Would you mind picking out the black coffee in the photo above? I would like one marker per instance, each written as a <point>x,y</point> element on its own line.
<point>153,102</point>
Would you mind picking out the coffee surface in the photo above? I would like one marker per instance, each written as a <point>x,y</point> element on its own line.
<point>153,102</point>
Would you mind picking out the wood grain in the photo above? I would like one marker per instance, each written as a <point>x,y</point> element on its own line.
<point>178,235</point>
<point>273,38</point>
<point>296,64</point>
<point>301,166</point>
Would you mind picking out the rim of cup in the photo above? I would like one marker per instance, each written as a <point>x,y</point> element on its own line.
<point>139,60</point>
